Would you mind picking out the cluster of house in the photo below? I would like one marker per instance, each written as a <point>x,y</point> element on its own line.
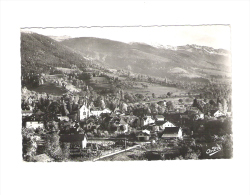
<point>121,122</point>
<point>115,121</point>
<point>92,118</point>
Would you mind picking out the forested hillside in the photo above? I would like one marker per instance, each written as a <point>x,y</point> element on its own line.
<point>39,53</point>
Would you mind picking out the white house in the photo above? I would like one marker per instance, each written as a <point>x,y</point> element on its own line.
<point>83,112</point>
<point>34,124</point>
<point>163,124</point>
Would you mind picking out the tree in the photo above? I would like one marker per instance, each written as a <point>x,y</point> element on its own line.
<point>29,143</point>
<point>189,153</point>
<point>65,150</point>
<point>207,108</point>
<point>195,103</point>
<point>192,155</point>
<point>181,101</point>
<point>220,107</point>
<point>161,110</point>
<point>139,96</point>
<point>227,145</point>
<point>212,102</point>
<point>54,108</point>
<point>122,94</point>
<point>154,108</point>
<point>52,146</point>
<point>147,110</point>
<point>170,105</point>
<point>224,105</point>
<point>100,102</point>
<point>69,106</point>
<point>129,97</point>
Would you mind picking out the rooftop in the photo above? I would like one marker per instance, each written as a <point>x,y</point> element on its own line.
<point>72,138</point>
<point>170,130</point>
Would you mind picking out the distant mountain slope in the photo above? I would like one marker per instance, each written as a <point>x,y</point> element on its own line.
<point>147,59</point>
<point>41,51</point>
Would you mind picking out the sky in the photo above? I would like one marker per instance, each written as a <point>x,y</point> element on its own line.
<point>216,36</point>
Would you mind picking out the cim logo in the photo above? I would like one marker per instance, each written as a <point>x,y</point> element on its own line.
<point>213,150</point>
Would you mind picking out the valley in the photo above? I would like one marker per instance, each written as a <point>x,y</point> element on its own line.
<point>88,99</point>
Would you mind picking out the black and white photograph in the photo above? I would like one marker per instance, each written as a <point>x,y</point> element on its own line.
<point>126,93</point>
<point>124,97</point>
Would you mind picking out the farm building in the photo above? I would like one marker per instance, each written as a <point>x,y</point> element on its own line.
<point>172,132</point>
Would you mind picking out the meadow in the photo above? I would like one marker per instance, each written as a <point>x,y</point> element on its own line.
<point>158,90</point>
<point>50,89</point>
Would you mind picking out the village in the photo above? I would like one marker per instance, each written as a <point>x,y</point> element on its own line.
<point>159,130</point>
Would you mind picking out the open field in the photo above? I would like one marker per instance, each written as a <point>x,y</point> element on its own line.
<point>99,83</point>
<point>50,89</point>
<point>217,72</point>
<point>156,89</point>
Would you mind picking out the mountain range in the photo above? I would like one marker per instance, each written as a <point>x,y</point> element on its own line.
<point>161,61</point>
<point>151,60</point>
